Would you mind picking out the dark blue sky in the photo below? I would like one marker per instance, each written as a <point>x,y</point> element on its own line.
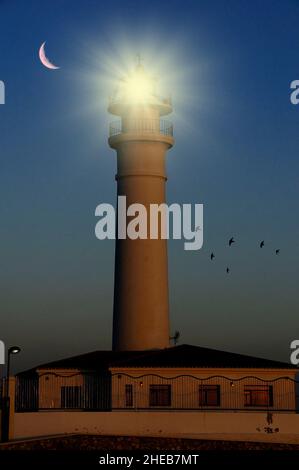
<point>237,148</point>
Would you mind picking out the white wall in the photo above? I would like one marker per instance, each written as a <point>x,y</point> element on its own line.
<point>211,425</point>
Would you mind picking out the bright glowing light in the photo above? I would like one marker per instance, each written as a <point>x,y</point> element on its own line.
<point>138,87</point>
<point>107,73</point>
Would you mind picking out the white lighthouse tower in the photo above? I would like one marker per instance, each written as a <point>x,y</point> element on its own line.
<point>141,139</point>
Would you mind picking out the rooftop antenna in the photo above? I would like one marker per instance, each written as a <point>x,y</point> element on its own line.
<point>175,338</point>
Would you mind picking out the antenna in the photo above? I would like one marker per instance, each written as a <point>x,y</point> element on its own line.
<point>175,337</point>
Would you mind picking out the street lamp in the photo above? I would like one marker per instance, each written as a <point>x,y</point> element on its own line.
<point>6,411</point>
<point>11,350</point>
<point>14,350</point>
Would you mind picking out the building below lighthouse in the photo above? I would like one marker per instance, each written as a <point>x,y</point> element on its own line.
<point>182,377</point>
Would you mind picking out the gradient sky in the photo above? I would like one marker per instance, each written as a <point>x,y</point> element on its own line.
<point>237,152</point>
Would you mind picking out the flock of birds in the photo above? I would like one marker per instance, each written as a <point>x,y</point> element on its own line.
<point>175,338</point>
<point>232,240</point>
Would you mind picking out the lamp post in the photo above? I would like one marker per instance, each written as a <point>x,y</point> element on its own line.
<point>11,350</point>
<point>6,409</point>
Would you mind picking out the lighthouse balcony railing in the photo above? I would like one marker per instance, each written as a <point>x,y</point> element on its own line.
<point>140,126</point>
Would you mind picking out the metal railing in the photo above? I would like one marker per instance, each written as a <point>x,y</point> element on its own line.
<point>52,391</point>
<point>140,126</point>
<point>90,392</point>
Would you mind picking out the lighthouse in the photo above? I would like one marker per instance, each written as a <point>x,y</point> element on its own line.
<point>141,138</point>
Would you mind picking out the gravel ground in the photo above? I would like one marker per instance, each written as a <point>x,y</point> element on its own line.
<point>119,443</point>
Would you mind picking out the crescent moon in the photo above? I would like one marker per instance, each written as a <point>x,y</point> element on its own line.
<point>44,60</point>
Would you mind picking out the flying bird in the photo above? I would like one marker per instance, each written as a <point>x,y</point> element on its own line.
<point>277,251</point>
<point>227,270</point>
<point>231,240</point>
<point>262,244</point>
<point>212,256</point>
